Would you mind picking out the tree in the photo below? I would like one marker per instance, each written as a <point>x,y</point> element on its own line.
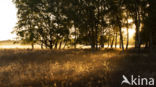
<point>42,21</point>
<point>148,32</point>
<point>49,22</point>
<point>26,27</point>
<point>116,13</point>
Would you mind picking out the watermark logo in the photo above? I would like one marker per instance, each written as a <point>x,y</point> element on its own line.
<point>137,81</point>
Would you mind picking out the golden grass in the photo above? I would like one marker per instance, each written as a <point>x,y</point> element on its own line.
<point>68,68</point>
<point>23,67</point>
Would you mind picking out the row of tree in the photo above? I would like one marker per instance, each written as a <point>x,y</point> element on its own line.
<point>52,23</point>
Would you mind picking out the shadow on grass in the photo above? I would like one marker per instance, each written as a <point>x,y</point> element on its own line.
<point>8,56</point>
<point>107,72</point>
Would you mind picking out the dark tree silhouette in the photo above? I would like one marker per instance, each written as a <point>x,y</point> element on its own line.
<point>88,22</point>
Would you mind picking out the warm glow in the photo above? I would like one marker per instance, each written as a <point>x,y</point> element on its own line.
<point>131,32</point>
<point>7,19</point>
<point>130,20</point>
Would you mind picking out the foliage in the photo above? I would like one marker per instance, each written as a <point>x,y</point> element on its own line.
<point>50,22</point>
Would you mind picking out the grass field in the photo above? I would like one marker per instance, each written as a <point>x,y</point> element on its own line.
<point>10,44</point>
<point>72,68</point>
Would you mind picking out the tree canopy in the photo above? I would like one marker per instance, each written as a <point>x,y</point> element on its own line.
<point>89,22</point>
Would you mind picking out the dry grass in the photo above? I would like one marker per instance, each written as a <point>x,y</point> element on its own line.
<point>69,68</point>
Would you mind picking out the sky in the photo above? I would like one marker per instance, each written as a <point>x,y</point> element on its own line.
<point>8,19</point>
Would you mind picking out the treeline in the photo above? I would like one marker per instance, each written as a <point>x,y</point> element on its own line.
<point>52,23</point>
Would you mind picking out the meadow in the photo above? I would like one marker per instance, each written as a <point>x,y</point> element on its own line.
<point>78,43</point>
<point>72,68</point>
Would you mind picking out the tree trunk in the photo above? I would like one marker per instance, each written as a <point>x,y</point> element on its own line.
<point>109,39</point>
<point>121,37</point>
<point>96,38</point>
<point>137,24</point>
<point>127,39</point>
<point>56,44</point>
<point>60,45</point>
<point>51,45</point>
<point>92,39</point>
<point>120,44</point>
<point>96,31</point>
<point>75,41</point>
<point>150,42</point>
<point>32,46</point>
<point>46,45</point>
<point>41,45</point>
<point>108,42</point>
<point>127,35</point>
<point>116,39</point>
<point>120,31</point>
<point>112,43</point>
